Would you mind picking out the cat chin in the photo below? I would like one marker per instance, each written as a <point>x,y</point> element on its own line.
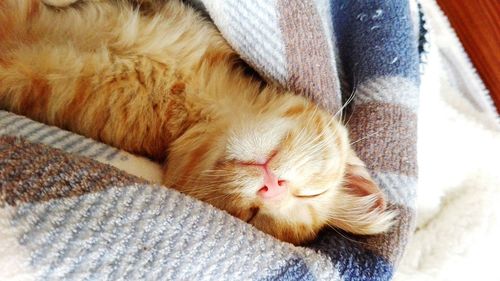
<point>291,232</point>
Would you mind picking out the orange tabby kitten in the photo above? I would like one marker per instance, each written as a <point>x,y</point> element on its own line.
<point>166,85</point>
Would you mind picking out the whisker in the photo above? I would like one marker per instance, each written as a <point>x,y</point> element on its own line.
<point>368,136</point>
<point>346,237</point>
<point>349,100</point>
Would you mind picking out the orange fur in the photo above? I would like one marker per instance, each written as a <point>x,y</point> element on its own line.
<point>165,84</point>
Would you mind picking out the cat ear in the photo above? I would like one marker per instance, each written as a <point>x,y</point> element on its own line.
<point>359,182</point>
<point>361,206</point>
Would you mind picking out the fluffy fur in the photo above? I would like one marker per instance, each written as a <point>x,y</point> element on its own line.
<point>163,83</point>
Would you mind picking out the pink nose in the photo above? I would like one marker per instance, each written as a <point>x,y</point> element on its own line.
<point>273,187</point>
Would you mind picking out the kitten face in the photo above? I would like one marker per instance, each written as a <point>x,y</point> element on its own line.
<point>284,166</point>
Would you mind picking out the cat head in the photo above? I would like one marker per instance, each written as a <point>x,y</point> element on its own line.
<point>282,165</point>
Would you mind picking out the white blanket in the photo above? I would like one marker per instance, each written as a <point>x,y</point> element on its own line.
<point>459,158</point>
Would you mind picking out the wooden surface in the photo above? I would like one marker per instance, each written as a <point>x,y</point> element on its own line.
<point>477,24</point>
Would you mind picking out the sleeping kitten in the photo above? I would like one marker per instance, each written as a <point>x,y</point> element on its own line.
<point>167,86</point>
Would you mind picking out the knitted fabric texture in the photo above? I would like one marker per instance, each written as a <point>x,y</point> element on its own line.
<point>66,216</point>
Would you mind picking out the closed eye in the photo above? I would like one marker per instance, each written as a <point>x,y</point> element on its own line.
<point>304,196</point>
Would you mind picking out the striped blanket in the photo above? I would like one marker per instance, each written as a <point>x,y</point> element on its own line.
<point>66,213</point>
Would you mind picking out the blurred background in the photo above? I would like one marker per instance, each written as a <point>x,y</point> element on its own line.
<point>477,24</point>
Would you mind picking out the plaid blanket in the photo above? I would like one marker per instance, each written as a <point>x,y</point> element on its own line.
<point>64,215</point>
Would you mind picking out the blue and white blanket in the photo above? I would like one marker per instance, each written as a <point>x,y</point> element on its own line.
<point>64,215</point>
